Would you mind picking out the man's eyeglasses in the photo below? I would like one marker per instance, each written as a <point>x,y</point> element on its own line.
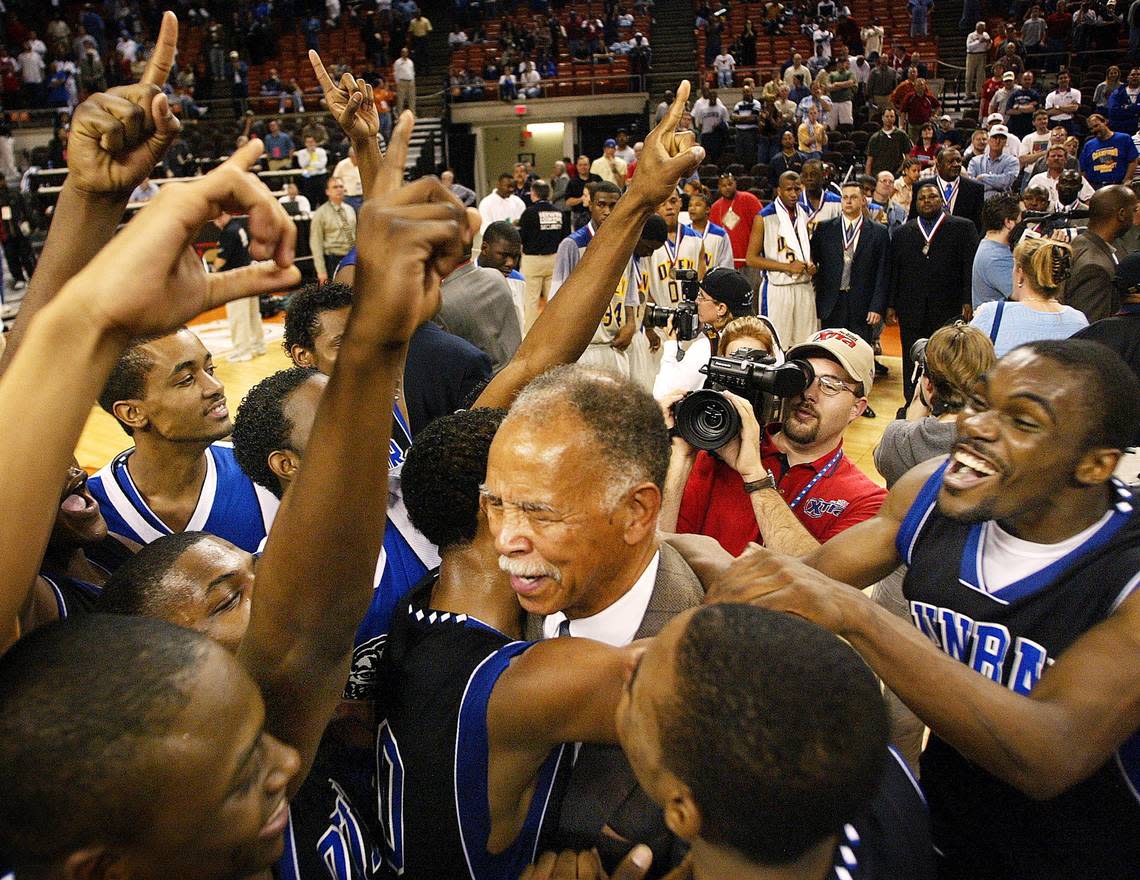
<point>831,386</point>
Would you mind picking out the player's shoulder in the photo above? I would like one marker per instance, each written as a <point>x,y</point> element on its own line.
<point>769,210</point>
<point>713,229</point>
<point>829,196</point>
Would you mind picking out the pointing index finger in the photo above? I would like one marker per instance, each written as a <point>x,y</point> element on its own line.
<point>673,116</point>
<point>165,48</point>
<point>319,69</point>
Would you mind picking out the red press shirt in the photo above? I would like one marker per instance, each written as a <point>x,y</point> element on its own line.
<point>715,503</point>
<point>745,207</point>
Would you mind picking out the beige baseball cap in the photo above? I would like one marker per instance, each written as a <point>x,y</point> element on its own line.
<point>847,349</point>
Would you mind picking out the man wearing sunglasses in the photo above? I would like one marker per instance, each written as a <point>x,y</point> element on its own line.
<point>788,486</point>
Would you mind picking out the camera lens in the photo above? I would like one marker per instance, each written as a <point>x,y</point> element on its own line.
<point>706,419</point>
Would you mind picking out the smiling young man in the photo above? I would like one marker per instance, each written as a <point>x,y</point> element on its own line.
<point>179,475</point>
<point>1022,659</point>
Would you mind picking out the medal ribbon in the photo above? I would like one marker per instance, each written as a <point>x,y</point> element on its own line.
<point>850,239</point>
<point>929,236</point>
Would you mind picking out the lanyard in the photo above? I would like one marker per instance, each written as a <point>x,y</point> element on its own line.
<point>850,238</point>
<point>824,471</point>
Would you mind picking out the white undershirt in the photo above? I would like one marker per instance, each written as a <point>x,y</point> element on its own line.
<point>1006,559</point>
<point>617,624</point>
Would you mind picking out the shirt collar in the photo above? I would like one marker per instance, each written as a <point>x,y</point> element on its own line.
<point>769,447</point>
<point>618,624</point>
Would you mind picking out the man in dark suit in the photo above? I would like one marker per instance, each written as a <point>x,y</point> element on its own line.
<point>573,492</point>
<point>932,260</point>
<point>442,371</point>
<point>853,255</point>
<point>963,195</point>
<point>1090,287</point>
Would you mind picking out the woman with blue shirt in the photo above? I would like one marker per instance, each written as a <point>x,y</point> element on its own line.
<point>1040,268</point>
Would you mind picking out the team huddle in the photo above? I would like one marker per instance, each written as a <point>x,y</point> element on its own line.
<point>351,631</point>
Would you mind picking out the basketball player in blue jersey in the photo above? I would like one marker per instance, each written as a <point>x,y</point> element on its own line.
<point>179,476</point>
<point>1024,559</point>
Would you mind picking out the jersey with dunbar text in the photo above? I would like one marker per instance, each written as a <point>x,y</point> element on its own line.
<point>229,505</point>
<point>983,827</point>
<point>432,748</point>
<point>684,253</point>
<point>569,253</point>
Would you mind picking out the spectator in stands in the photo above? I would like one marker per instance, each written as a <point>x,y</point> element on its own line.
<point>559,180</point>
<point>404,70</point>
<point>788,159</point>
<point>812,135</point>
<point>577,196</point>
<point>724,65</point>
<point>237,75</point>
<point>995,170</point>
<point>531,82</point>
<point>992,278</point>
<point>1001,96</point>
<point>745,120</point>
<point>990,88</point>
<point>348,172</point>
<point>418,29</point>
<point>502,203</point>
<point>609,166</point>
<point>978,45</point>
<point>1022,103</point>
<point>508,86</point>
<point>279,146</point>
<point>293,197</point>
<point>783,112</point>
<point>841,87</point>
<point>1095,258</point>
<point>882,82</point>
<point>332,231</point>
<point>734,211</point>
<point>1055,164</point>
<point>797,69</point>
<point>1108,156</point>
<point>31,66</point>
<point>919,108</point>
<point>465,195</point>
<point>926,147</point>
<point>1105,89</point>
<point>1124,104</point>
<point>884,206</point>
<point>145,191</point>
<point>1063,102</point>
<point>92,77</point>
<point>817,99</point>
<point>1034,144</point>
<point>314,163</point>
<point>711,119</point>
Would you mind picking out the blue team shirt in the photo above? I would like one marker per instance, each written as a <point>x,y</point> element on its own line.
<point>229,504</point>
<point>1104,162</point>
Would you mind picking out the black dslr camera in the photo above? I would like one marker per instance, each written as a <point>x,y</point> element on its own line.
<point>708,420</point>
<point>686,324</point>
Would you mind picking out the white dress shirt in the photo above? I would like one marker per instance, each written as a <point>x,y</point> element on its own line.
<point>404,69</point>
<point>618,624</point>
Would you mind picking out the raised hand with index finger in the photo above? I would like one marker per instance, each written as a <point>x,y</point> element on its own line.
<point>350,102</point>
<point>118,136</point>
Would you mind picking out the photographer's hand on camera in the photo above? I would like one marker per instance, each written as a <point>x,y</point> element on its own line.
<point>681,458</point>
<point>742,453</point>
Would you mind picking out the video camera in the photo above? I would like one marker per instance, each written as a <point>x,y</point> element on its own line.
<point>686,324</point>
<point>1050,222</point>
<point>707,420</point>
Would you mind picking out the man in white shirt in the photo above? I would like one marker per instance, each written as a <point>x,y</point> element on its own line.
<point>624,151</point>
<point>31,65</point>
<point>349,173</point>
<point>872,35</point>
<point>404,69</point>
<point>798,68</point>
<point>1034,145</point>
<point>1063,102</point>
<point>293,197</point>
<point>977,49</point>
<point>1054,166</point>
<point>724,64</point>
<point>608,166</point>
<point>502,203</point>
<point>1012,141</point>
<point>1001,96</point>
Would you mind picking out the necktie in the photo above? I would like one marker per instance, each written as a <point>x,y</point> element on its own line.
<point>848,257</point>
<point>563,628</point>
<point>949,190</point>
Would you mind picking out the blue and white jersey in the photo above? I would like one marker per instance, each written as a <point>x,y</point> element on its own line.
<point>433,749</point>
<point>830,205</point>
<point>1012,634</point>
<point>716,247</point>
<point>229,504</point>
<point>568,254</point>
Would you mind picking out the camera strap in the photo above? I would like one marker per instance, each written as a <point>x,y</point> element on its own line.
<point>823,472</point>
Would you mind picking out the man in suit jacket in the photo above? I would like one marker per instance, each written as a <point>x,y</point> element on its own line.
<point>573,492</point>
<point>964,196</point>
<point>853,255</point>
<point>932,260</point>
<point>1090,288</point>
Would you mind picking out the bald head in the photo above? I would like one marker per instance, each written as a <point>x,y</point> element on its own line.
<point>1110,210</point>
